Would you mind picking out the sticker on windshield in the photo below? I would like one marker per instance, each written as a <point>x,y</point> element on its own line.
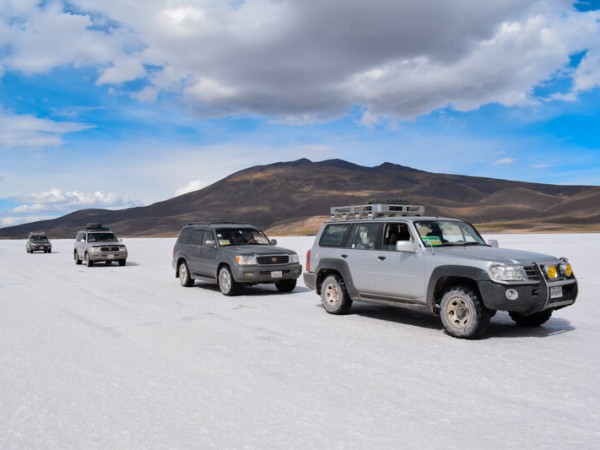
<point>432,240</point>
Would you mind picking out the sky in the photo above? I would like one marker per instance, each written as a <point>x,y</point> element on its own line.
<point>115,104</point>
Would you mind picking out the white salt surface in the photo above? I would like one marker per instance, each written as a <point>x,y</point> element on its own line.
<point>126,358</point>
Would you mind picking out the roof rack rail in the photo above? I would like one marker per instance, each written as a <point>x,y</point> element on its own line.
<point>371,211</point>
<point>213,222</point>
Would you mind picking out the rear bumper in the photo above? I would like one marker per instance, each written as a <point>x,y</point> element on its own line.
<point>310,280</point>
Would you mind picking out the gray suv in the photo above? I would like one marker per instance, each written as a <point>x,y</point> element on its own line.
<point>232,255</point>
<point>38,241</point>
<point>98,244</point>
<point>391,254</point>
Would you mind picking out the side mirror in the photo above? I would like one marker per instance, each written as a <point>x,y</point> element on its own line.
<point>273,241</point>
<point>210,243</point>
<point>406,247</point>
<point>493,243</point>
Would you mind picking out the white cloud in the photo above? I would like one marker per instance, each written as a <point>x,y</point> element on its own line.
<point>27,131</point>
<point>191,187</point>
<point>504,161</point>
<point>56,200</point>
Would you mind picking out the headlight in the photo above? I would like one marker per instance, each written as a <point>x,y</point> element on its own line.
<point>245,260</point>
<point>503,273</point>
<point>122,248</point>
<point>294,258</point>
<point>96,249</point>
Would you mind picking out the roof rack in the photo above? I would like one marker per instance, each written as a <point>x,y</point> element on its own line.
<point>371,211</point>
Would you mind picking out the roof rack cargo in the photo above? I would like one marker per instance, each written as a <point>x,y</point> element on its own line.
<point>97,226</point>
<point>371,211</point>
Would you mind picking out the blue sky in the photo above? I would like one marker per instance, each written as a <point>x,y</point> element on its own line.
<point>112,104</point>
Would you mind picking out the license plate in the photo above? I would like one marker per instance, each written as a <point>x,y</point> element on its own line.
<point>556,292</point>
<point>110,256</point>
<point>276,274</point>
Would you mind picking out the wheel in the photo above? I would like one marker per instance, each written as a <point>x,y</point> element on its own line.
<point>76,258</point>
<point>334,297</point>
<point>532,320</point>
<point>285,285</point>
<point>185,278</point>
<point>122,262</point>
<point>227,284</point>
<point>463,314</point>
<point>88,261</point>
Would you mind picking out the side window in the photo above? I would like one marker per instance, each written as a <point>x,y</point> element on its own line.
<point>79,236</point>
<point>209,239</point>
<point>197,237</point>
<point>185,236</point>
<point>363,236</point>
<point>333,235</point>
<point>394,232</point>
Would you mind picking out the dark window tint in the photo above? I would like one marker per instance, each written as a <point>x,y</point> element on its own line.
<point>185,236</point>
<point>333,235</point>
<point>197,236</point>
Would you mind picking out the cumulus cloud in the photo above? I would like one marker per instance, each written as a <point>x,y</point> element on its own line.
<point>55,200</point>
<point>312,59</point>
<point>27,131</point>
<point>191,187</point>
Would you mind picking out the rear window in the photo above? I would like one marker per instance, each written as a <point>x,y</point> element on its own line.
<point>333,235</point>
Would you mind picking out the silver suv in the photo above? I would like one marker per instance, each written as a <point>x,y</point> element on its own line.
<point>38,241</point>
<point>98,244</point>
<point>393,255</point>
<point>232,255</point>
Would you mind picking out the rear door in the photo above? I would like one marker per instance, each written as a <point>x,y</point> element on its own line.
<point>361,255</point>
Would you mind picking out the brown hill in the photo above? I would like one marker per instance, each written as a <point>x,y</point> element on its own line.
<point>294,197</point>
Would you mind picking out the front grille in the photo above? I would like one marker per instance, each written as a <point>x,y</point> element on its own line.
<point>272,259</point>
<point>110,249</point>
<point>532,272</point>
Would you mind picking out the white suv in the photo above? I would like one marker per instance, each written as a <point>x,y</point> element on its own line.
<point>391,254</point>
<point>98,244</point>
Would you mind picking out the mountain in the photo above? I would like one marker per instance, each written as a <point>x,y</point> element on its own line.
<point>295,197</point>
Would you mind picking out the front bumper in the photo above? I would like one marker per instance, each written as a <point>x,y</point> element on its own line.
<point>266,274</point>
<point>530,298</point>
<point>107,256</point>
<point>40,248</point>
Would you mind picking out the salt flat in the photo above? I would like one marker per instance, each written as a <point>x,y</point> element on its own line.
<point>124,357</point>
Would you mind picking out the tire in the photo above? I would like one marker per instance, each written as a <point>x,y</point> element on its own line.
<point>334,297</point>
<point>532,320</point>
<point>76,258</point>
<point>227,285</point>
<point>185,278</point>
<point>122,262</point>
<point>463,313</point>
<point>285,285</point>
<point>88,261</point>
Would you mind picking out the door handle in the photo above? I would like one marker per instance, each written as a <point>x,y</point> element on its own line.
<point>344,256</point>
<point>381,258</point>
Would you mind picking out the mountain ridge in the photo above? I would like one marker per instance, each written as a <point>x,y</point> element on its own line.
<point>294,197</point>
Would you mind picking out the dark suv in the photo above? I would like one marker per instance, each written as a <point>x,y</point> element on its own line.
<point>38,241</point>
<point>232,255</point>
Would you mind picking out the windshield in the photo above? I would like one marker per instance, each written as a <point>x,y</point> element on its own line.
<point>39,238</point>
<point>436,233</point>
<point>241,236</point>
<point>101,237</point>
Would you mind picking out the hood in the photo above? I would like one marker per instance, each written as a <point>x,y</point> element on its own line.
<point>493,254</point>
<point>257,250</point>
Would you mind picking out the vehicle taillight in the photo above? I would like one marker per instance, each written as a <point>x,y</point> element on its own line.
<point>308,261</point>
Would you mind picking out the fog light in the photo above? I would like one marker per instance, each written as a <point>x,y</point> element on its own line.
<point>248,274</point>
<point>512,294</point>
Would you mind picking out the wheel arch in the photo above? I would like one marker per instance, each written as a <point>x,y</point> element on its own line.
<point>328,267</point>
<point>445,277</point>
